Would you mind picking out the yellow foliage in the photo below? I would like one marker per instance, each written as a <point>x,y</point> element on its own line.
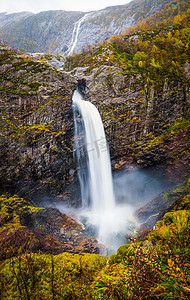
<point>154,48</point>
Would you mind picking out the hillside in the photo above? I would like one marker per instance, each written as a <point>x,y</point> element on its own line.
<point>52,31</point>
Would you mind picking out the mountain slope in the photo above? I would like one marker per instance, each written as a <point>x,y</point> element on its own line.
<point>52,31</point>
<point>9,19</point>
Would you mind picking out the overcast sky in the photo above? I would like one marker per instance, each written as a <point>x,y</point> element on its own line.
<point>41,5</point>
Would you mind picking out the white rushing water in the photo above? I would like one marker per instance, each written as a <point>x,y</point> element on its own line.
<point>75,34</point>
<point>99,168</point>
<point>94,170</point>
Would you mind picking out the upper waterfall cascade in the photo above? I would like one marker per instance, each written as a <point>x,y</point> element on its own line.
<point>75,34</point>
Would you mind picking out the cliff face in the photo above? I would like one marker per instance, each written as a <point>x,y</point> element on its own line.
<point>145,126</point>
<point>36,125</point>
<point>52,31</point>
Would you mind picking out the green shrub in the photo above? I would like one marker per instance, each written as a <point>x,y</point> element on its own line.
<point>36,276</point>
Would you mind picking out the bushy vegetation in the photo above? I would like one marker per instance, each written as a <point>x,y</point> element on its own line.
<point>38,276</point>
<point>157,268</point>
<point>170,11</point>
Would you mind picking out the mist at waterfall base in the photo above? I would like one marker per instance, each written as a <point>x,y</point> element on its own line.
<point>132,190</point>
<point>107,210</point>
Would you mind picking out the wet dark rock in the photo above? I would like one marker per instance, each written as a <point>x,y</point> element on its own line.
<point>65,229</point>
<point>49,231</point>
<point>155,209</point>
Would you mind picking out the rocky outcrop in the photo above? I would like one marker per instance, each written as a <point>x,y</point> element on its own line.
<point>47,231</point>
<point>52,31</point>
<point>36,126</point>
<point>25,228</point>
<point>153,211</point>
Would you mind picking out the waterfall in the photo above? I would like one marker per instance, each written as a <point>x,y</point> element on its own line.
<point>75,34</point>
<point>94,171</point>
<point>100,196</point>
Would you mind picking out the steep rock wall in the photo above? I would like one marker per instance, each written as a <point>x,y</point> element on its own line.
<point>36,126</point>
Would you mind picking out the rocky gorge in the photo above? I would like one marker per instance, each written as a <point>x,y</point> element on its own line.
<point>145,127</point>
<point>37,126</point>
<point>142,123</point>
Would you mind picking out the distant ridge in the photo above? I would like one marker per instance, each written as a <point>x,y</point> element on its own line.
<point>51,31</point>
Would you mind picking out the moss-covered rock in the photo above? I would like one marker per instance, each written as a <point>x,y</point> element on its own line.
<point>174,200</point>
<point>12,211</point>
<point>182,204</point>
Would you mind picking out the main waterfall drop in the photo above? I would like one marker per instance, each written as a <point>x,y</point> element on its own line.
<point>94,171</point>
<point>90,138</point>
